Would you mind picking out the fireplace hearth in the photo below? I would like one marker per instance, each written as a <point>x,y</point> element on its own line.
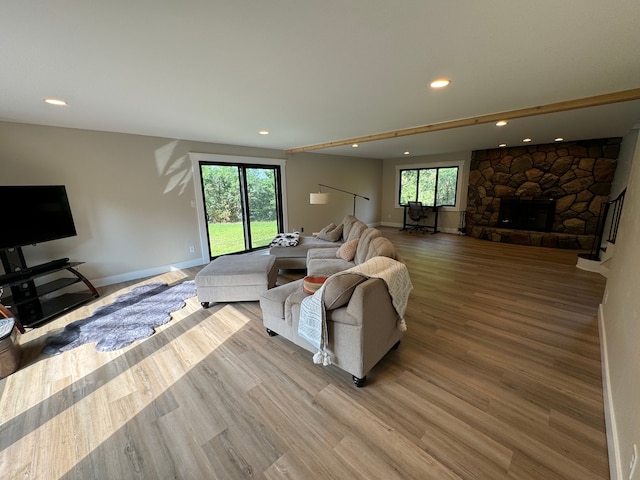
<point>521,213</point>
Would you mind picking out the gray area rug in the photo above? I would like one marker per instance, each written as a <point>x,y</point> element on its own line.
<point>132,316</point>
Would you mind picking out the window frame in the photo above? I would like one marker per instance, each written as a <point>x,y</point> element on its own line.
<point>198,202</point>
<point>459,164</point>
<point>243,186</point>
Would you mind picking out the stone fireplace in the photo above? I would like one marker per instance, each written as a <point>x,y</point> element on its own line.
<point>543,195</point>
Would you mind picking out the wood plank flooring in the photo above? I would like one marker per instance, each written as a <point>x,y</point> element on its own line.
<point>497,377</point>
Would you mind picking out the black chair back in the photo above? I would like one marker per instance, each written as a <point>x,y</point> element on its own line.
<point>415,211</point>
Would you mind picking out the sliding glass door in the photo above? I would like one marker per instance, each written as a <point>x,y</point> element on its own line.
<point>242,204</point>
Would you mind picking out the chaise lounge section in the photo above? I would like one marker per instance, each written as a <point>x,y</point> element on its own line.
<point>295,258</point>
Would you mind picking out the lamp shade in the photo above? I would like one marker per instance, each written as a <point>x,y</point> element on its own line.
<point>318,198</point>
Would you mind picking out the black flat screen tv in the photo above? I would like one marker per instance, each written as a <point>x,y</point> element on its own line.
<point>33,214</point>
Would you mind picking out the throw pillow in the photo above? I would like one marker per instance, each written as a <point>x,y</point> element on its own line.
<point>330,233</point>
<point>312,283</point>
<point>339,289</point>
<point>329,227</point>
<point>348,250</point>
<point>286,240</point>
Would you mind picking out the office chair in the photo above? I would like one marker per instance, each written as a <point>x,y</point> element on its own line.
<point>416,213</point>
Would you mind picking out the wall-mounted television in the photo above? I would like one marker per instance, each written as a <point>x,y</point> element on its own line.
<point>33,214</point>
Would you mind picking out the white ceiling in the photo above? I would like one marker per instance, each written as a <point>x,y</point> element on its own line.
<point>317,71</point>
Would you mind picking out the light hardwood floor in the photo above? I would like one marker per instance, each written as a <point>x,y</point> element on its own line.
<point>497,377</point>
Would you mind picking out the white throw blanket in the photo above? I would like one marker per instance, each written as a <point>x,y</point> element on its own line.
<point>313,325</point>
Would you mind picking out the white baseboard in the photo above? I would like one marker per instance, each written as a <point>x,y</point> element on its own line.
<point>391,224</point>
<point>615,462</point>
<point>126,277</point>
<point>399,226</point>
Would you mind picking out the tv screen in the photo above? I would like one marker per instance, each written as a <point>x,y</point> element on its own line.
<point>34,214</point>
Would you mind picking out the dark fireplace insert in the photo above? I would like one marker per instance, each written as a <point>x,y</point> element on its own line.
<point>524,213</point>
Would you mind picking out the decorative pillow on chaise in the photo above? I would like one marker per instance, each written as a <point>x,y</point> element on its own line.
<point>286,240</point>
<point>330,233</point>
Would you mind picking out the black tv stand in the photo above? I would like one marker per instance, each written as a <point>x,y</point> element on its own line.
<point>35,304</point>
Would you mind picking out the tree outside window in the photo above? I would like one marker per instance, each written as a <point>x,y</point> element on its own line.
<point>431,186</point>
<point>242,206</point>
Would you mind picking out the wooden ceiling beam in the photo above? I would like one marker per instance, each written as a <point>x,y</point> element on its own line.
<point>594,101</point>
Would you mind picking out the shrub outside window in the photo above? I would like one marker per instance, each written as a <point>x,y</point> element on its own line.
<point>431,186</point>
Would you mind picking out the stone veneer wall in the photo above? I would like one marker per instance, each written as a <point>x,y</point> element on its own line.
<point>577,175</point>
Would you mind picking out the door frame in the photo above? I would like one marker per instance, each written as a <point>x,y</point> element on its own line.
<point>196,158</point>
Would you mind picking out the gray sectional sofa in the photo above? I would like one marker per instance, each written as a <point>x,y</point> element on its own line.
<point>362,322</point>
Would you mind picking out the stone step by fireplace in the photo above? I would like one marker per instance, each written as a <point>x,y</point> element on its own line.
<point>532,238</point>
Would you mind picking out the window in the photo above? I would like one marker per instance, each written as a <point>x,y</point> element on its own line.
<point>241,206</point>
<point>431,186</point>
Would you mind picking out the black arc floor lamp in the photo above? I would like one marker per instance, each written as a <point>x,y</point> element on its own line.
<point>322,198</point>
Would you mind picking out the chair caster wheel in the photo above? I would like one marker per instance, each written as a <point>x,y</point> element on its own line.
<point>271,333</point>
<point>204,304</point>
<point>359,382</point>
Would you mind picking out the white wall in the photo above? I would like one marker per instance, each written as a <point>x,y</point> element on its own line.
<point>448,218</point>
<point>625,161</point>
<point>620,323</point>
<point>132,195</point>
<point>306,170</point>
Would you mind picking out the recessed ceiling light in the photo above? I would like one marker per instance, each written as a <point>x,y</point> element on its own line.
<point>501,123</point>
<point>526,140</point>
<point>55,101</point>
<point>355,145</point>
<point>559,139</point>
<point>407,153</point>
<point>264,132</point>
<point>440,82</point>
<point>502,145</point>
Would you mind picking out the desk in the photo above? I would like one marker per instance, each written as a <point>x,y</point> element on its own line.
<point>434,227</point>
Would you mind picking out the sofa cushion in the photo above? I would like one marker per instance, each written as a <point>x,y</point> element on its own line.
<point>356,230</point>
<point>348,221</point>
<point>348,250</point>
<point>363,245</point>
<point>382,247</point>
<point>322,253</point>
<point>327,266</point>
<point>338,289</point>
<point>330,233</point>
